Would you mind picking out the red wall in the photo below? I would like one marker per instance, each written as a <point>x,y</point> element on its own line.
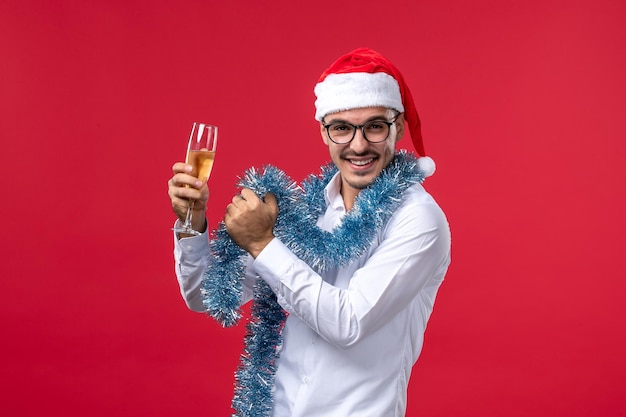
<point>523,107</point>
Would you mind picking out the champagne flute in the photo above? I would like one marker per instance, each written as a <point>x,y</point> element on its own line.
<point>200,155</point>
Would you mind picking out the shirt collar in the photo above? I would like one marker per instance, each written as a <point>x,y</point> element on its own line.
<point>332,193</point>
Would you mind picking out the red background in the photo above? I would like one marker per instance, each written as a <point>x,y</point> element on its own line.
<point>523,108</point>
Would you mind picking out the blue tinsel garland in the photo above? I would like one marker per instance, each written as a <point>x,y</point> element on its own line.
<point>299,209</point>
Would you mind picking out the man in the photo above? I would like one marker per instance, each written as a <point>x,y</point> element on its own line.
<point>355,328</point>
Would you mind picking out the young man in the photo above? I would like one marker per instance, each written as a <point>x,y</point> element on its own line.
<point>355,325</point>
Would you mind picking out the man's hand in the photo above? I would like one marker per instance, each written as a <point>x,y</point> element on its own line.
<point>250,220</point>
<point>182,189</point>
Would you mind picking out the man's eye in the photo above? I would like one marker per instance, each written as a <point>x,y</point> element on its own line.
<point>340,128</point>
<point>373,126</point>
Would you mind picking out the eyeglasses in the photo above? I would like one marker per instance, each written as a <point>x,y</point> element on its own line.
<point>374,131</point>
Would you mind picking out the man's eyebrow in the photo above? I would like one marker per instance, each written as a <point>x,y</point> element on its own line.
<point>369,119</point>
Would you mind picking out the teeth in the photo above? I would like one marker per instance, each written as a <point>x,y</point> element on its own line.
<point>361,163</point>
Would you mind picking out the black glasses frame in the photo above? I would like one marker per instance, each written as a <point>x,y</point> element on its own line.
<point>361,127</point>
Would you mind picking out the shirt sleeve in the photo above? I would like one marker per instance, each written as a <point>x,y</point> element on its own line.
<point>192,257</point>
<point>412,253</point>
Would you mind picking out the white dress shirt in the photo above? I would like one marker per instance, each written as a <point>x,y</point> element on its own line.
<point>353,334</point>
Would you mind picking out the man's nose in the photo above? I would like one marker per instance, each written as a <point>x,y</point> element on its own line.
<point>359,141</point>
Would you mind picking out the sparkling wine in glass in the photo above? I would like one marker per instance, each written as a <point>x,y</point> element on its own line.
<point>200,155</point>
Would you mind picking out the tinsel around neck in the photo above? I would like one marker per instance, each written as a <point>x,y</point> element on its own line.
<point>299,209</point>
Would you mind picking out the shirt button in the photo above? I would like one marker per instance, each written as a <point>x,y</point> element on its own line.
<point>305,380</point>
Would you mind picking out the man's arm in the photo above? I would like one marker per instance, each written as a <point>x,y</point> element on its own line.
<point>413,254</point>
<point>183,188</point>
<point>250,220</point>
<point>191,253</point>
<point>191,257</point>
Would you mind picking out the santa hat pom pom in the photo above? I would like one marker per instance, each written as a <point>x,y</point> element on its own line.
<point>426,165</point>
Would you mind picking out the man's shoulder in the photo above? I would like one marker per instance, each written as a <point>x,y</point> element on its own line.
<point>416,195</point>
<point>419,204</point>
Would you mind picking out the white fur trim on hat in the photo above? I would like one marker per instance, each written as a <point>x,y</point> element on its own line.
<point>355,90</point>
<point>426,165</point>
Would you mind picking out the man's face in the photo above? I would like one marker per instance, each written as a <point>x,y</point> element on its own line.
<point>360,161</point>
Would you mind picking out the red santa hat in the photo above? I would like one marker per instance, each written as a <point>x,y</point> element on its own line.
<point>364,78</point>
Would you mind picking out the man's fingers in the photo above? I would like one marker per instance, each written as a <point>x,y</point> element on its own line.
<point>253,200</point>
<point>248,195</point>
<point>270,199</point>
<point>186,193</point>
<point>181,167</point>
<point>237,199</point>
<point>182,180</point>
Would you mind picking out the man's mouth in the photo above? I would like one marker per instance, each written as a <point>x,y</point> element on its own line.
<point>360,162</point>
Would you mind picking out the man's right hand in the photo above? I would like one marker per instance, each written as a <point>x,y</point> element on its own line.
<point>182,189</point>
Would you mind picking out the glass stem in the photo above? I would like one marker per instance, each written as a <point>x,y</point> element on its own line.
<point>189,215</point>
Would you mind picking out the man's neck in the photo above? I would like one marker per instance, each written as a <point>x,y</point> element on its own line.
<point>349,195</point>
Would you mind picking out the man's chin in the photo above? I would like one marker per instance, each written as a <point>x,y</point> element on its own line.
<point>359,184</point>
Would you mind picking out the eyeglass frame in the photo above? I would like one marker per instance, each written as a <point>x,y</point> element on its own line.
<point>355,127</point>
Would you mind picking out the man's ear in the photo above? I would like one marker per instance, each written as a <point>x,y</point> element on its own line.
<point>400,126</point>
<point>323,133</point>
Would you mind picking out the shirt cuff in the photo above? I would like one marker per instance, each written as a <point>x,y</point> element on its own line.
<point>273,262</point>
<point>190,249</point>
